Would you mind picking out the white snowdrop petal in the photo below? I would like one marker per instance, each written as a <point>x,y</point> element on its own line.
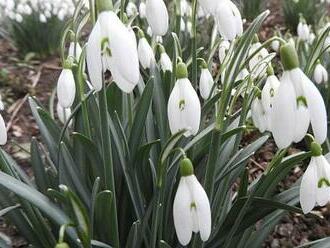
<point>157,16</point>
<point>323,192</point>
<point>191,112</point>
<point>302,123</point>
<point>317,110</point>
<point>205,83</point>
<point>146,54</point>
<point>123,48</point>
<point>202,208</point>
<point>3,131</point>
<point>165,62</point>
<point>269,91</point>
<point>75,50</point>
<point>283,113</point>
<point>93,57</point>
<point>66,88</point>
<point>226,21</point>
<point>181,213</point>
<point>308,187</point>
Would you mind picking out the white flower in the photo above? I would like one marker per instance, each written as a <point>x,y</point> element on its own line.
<point>165,62</point>
<point>258,63</point>
<point>184,109</point>
<point>315,184</point>
<point>42,18</point>
<point>182,25</point>
<point>2,106</point>
<point>142,10</point>
<point>112,47</point>
<point>146,54</point>
<point>228,20</point>
<point>66,88</point>
<point>63,113</point>
<point>157,16</point>
<point>297,104</point>
<point>303,31</point>
<point>267,97</point>
<point>191,209</point>
<point>259,115</point>
<point>3,131</point>
<point>242,74</point>
<point>275,45</point>
<point>311,38</point>
<point>131,9</point>
<point>206,83</point>
<point>75,50</point>
<point>320,74</point>
<point>223,48</point>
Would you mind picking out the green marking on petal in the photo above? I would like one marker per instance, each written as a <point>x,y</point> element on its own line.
<point>182,104</point>
<point>272,92</point>
<point>323,182</point>
<point>302,101</point>
<point>193,205</point>
<point>105,46</point>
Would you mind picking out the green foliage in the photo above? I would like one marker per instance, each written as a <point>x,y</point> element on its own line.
<point>33,36</point>
<point>311,10</point>
<point>251,8</point>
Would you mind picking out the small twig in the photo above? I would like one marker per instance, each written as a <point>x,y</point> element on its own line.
<point>257,164</point>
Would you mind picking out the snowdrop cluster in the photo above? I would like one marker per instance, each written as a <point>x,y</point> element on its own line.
<point>46,9</point>
<point>292,105</point>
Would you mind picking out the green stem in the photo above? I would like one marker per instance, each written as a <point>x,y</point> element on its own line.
<point>92,11</point>
<point>122,9</point>
<point>107,162</point>
<point>193,43</point>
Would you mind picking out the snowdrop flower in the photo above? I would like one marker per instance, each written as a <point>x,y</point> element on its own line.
<point>18,18</point>
<point>184,108</point>
<point>157,16</point>
<point>320,74</point>
<point>259,115</point>
<point>275,45</point>
<point>228,20</point>
<point>112,47</point>
<point>311,38</point>
<point>63,113</point>
<point>315,183</point>
<point>3,131</point>
<point>303,31</point>
<point>145,52</point>
<point>257,63</point>
<point>223,48</point>
<point>142,10</point>
<point>66,88</point>
<point>131,9</point>
<point>206,82</point>
<point>267,97</point>
<point>242,75</point>
<point>74,50</point>
<point>191,207</point>
<point>42,18</point>
<point>182,25</point>
<point>165,61</point>
<point>297,104</point>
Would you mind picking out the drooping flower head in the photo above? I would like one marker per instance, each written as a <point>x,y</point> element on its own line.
<point>164,60</point>
<point>145,52</point>
<point>184,108</point>
<point>206,82</point>
<point>112,47</point>
<point>315,183</point>
<point>157,16</point>
<point>297,104</point>
<point>191,207</point>
<point>320,74</point>
<point>66,87</point>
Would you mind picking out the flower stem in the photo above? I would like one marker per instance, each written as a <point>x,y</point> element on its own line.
<point>193,43</point>
<point>107,162</point>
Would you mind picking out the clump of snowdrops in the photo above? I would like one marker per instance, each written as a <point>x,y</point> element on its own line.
<point>147,144</point>
<point>35,26</point>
